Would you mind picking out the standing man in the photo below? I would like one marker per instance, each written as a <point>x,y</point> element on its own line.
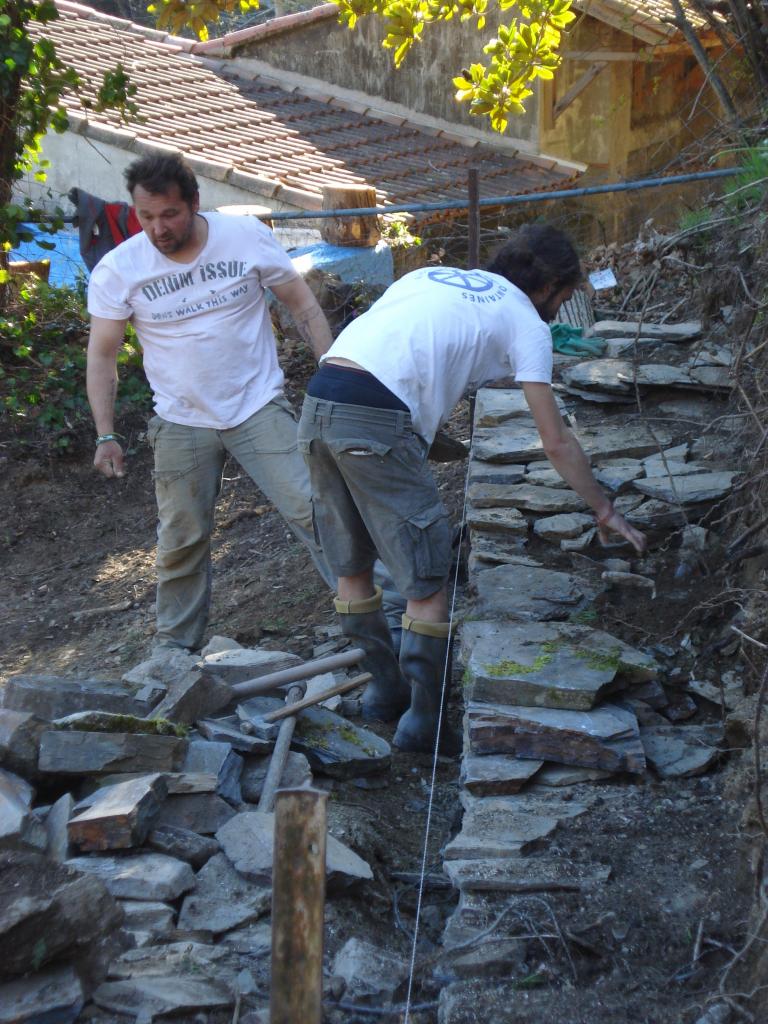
<point>385,386</point>
<point>193,286</point>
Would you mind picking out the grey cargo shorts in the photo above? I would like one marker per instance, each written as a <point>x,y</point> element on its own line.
<point>373,494</point>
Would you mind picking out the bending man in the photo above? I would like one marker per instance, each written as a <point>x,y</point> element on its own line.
<point>390,379</point>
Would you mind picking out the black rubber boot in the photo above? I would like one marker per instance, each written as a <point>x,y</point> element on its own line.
<point>425,660</point>
<point>388,694</point>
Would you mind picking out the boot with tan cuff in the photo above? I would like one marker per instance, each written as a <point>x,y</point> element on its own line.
<point>425,659</point>
<point>388,694</point>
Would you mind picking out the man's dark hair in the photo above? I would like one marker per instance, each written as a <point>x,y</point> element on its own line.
<point>157,173</point>
<point>535,256</point>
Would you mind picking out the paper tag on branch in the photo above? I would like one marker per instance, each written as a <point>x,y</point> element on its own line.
<point>600,279</point>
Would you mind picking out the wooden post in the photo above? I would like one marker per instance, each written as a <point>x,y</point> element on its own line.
<point>357,231</point>
<point>298,900</point>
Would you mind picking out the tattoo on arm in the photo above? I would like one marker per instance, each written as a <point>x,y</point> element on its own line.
<point>313,328</point>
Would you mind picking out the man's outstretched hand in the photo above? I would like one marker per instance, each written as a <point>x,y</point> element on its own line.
<point>615,522</point>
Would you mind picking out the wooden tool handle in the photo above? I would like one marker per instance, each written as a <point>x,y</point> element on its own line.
<point>317,698</point>
<point>262,684</point>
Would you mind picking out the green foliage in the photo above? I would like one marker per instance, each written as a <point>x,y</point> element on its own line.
<point>175,15</point>
<point>396,232</point>
<point>32,81</point>
<point>43,336</point>
<point>524,49</point>
<point>116,93</point>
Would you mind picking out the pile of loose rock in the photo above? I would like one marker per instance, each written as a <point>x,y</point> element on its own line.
<point>136,866</point>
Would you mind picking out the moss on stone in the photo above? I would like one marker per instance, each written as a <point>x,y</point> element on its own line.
<point>584,617</point>
<point>601,661</point>
<point>114,723</point>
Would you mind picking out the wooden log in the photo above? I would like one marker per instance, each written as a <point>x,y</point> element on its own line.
<point>298,900</point>
<point>120,816</point>
<point>354,231</point>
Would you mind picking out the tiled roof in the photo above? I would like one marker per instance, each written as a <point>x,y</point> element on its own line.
<point>279,142</point>
<point>651,21</point>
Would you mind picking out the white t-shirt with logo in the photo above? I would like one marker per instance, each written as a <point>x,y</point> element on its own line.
<point>439,332</point>
<point>209,349</point>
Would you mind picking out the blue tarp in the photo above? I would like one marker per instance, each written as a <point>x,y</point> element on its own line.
<point>372,265</point>
<point>66,264</point>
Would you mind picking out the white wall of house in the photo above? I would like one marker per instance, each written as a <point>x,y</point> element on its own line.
<point>97,167</point>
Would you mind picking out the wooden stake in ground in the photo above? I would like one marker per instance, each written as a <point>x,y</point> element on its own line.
<point>298,900</point>
<point>349,230</point>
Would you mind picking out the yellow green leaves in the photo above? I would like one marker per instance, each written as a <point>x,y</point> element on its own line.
<point>523,50</point>
<point>175,15</point>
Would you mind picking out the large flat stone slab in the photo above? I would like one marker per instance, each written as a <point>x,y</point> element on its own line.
<point>494,406</point>
<point>100,753</point>
<point>542,664</point>
<point>681,751</point>
<point>119,816</point>
<point>19,829</point>
<point>521,442</point>
<point>544,474</point>
<point>489,549</point>
<point>687,488</point>
<point>219,760</point>
<point>332,744</point>
<point>525,497</point>
<point>182,844</point>
<point>616,475</point>
<point>495,472</point>
<point>243,663</point>
<point>526,593</point>
<point>525,875</point>
<point>140,876</point>
<point>369,971</point>
<point>680,332</point>
<point>203,813</point>
<point>52,997</point>
<point>496,774</point>
<point>48,912</point>
<point>147,997</point>
<point>20,741</point>
<point>497,520</point>
<point>565,526</point>
<point>606,738</point>
<point>52,697</point>
<point>223,899</point>
<point>507,826</point>
<point>248,842</point>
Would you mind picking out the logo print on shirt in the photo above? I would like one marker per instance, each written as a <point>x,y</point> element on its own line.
<point>469,280</point>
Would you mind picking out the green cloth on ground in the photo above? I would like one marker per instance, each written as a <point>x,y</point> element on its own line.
<point>569,341</point>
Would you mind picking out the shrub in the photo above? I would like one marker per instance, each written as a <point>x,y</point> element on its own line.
<point>43,340</point>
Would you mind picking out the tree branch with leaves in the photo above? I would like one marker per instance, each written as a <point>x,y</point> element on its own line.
<point>524,48</point>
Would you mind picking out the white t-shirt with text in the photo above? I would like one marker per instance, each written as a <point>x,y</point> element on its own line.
<point>439,332</point>
<point>209,350</point>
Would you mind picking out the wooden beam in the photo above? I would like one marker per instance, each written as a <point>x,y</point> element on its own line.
<point>578,88</point>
